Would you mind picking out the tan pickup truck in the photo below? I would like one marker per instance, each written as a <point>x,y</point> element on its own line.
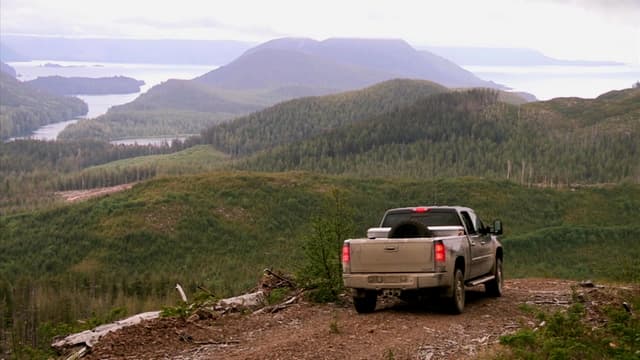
<point>424,250</point>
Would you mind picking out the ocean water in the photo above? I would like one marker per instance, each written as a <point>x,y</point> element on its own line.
<point>547,82</point>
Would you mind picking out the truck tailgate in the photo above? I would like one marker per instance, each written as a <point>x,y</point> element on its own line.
<point>391,255</point>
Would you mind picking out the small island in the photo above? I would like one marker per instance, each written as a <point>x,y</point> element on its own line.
<point>87,86</point>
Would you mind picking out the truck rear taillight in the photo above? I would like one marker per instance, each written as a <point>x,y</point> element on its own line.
<point>346,253</point>
<point>346,258</point>
<point>440,255</point>
<point>421,209</point>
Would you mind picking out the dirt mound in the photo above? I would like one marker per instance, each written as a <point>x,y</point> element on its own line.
<point>306,331</point>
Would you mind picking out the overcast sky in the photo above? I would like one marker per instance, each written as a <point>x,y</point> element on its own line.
<point>567,29</point>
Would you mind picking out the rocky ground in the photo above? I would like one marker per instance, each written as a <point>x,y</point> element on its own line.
<point>396,330</point>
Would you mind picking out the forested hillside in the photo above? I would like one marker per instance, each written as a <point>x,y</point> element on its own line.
<point>304,118</point>
<point>219,230</point>
<point>24,108</point>
<point>87,86</point>
<point>566,140</point>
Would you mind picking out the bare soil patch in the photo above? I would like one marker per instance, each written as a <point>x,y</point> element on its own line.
<point>306,331</point>
<point>79,195</point>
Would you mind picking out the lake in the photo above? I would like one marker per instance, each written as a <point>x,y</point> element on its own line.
<point>547,82</point>
<point>151,74</point>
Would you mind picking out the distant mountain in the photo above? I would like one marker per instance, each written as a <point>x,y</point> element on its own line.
<point>342,64</point>
<point>472,133</point>
<point>5,68</point>
<point>87,86</point>
<point>205,52</point>
<point>277,68</point>
<point>24,108</point>
<point>505,57</point>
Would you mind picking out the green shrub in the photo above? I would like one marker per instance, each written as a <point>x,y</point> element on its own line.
<point>322,271</point>
<point>569,335</point>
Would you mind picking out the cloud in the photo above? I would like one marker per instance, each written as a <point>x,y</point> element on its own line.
<point>627,11</point>
<point>200,24</point>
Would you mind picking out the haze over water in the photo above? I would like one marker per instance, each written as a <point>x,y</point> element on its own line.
<point>547,82</point>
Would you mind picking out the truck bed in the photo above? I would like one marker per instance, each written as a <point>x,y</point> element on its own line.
<point>392,255</point>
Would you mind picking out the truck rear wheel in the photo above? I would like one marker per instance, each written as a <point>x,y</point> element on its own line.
<point>457,299</point>
<point>494,287</point>
<point>365,302</point>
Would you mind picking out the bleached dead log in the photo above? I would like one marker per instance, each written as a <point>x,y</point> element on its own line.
<point>251,300</point>
<point>91,337</point>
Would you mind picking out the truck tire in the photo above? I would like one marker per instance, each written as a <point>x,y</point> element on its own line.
<point>494,287</point>
<point>367,303</point>
<point>457,299</point>
<point>409,229</point>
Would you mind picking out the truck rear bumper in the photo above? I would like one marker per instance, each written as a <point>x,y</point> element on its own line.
<point>402,281</point>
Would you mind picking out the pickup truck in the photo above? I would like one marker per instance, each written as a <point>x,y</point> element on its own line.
<point>423,250</point>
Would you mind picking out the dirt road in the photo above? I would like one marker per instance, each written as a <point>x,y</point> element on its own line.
<point>305,331</point>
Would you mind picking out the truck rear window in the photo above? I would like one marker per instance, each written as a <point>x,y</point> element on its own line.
<point>434,217</point>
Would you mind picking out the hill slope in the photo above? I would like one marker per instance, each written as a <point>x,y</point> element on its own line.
<point>173,227</point>
<point>301,119</point>
<point>472,133</point>
<point>24,108</point>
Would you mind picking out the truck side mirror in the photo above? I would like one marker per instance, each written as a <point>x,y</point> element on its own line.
<point>497,227</point>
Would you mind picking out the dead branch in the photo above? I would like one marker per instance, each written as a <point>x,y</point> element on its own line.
<point>291,283</point>
<point>207,291</point>
<point>283,305</point>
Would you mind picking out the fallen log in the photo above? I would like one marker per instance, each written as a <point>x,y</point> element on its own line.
<point>91,337</point>
<point>251,300</point>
